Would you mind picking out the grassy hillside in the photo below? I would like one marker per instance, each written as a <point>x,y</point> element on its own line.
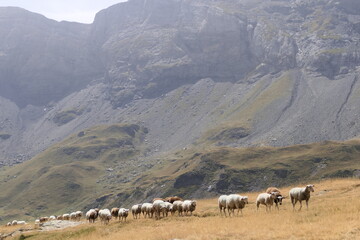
<point>67,175</point>
<point>107,166</point>
<point>333,201</point>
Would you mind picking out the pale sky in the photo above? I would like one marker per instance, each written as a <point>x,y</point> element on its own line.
<point>70,10</point>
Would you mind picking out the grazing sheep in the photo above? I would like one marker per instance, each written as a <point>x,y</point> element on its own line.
<point>105,215</point>
<point>92,215</point>
<point>222,204</point>
<point>14,223</point>
<point>136,211</point>
<point>115,212</point>
<point>266,199</point>
<point>21,223</point>
<point>60,217</point>
<point>79,214</point>
<point>235,201</point>
<point>66,216</point>
<point>51,218</point>
<point>147,210</point>
<point>300,194</point>
<point>279,197</point>
<point>178,206</point>
<point>189,206</point>
<point>73,216</point>
<point>37,223</point>
<point>159,207</point>
<point>8,224</point>
<point>123,213</point>
<point>173,199</point>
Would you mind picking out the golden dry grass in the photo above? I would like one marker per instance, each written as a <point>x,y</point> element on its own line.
<point>334,213</point>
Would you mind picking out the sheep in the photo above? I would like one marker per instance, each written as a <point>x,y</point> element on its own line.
<point>173,199</point>
<point>266,199</point>
<point>43,219</point>
<point>14,223</point>
<point>79,214</point>
<point>189,206</point>
<point>168,207</point>
<point>37,223</point>
<point>300,194</point>
<point>123,213</point>
<point>235,201</point>
<point>21,223</point>
<point>60,217</point>
<point>8,224</point>
<point>159,207</point>
<point>178,206</point>
<point>66,216</point>
<point>51,218</point>
<point>105,215</point>
<point>222,204</point>
<point>73,216</point>
<point>115,212</point>
<point>92,215</point>
<point>162,199</point>
<point>279,197</point>
<point>147,210</point>
<point>136,211</point>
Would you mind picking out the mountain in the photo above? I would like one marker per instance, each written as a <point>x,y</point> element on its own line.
<point>202,77</point>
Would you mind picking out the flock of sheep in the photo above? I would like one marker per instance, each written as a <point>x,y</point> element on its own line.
<point>175,204</point>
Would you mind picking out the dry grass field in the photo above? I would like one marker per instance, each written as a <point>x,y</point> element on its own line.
<point>334,213</point>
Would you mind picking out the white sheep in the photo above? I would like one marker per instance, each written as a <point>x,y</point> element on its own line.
<point>159,207</point>
<point>123,213</point>
<point>105,215</point>
<point>222,204</point>
<point>168,207</point>
<point>92,215</point>
<point>300,194</point>
<point>21,223</point>
<point>178,206</point>
<point>235,201</point>
<point>136,211</point>
<point>79,214</point>
<point>8,224</point>
<point>266,199</point>
<point>279,197</point>
<point>51,218</point>
<point>65,216</point>
<point>14,222</point>
<point>147,210</point>
<point>73,216</point>
<point>189,206</point>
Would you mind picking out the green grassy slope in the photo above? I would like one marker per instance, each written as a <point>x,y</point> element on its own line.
<point>64,177</point>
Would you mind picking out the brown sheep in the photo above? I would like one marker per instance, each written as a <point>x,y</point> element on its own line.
<point>173,199</point>
<point>115,212</point>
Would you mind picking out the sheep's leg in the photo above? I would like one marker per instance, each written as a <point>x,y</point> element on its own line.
<point>257,206</point>
<point>307,204</point>
<point>300,205</point>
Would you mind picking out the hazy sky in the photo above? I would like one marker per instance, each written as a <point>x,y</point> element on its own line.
<point>70,10</point>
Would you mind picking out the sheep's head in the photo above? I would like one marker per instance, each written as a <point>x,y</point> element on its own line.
<point>310,187</point>
<point>245,199</point>
<point>279,199</point>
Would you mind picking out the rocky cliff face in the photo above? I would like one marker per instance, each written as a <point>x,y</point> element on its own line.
<point>233,73</point>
